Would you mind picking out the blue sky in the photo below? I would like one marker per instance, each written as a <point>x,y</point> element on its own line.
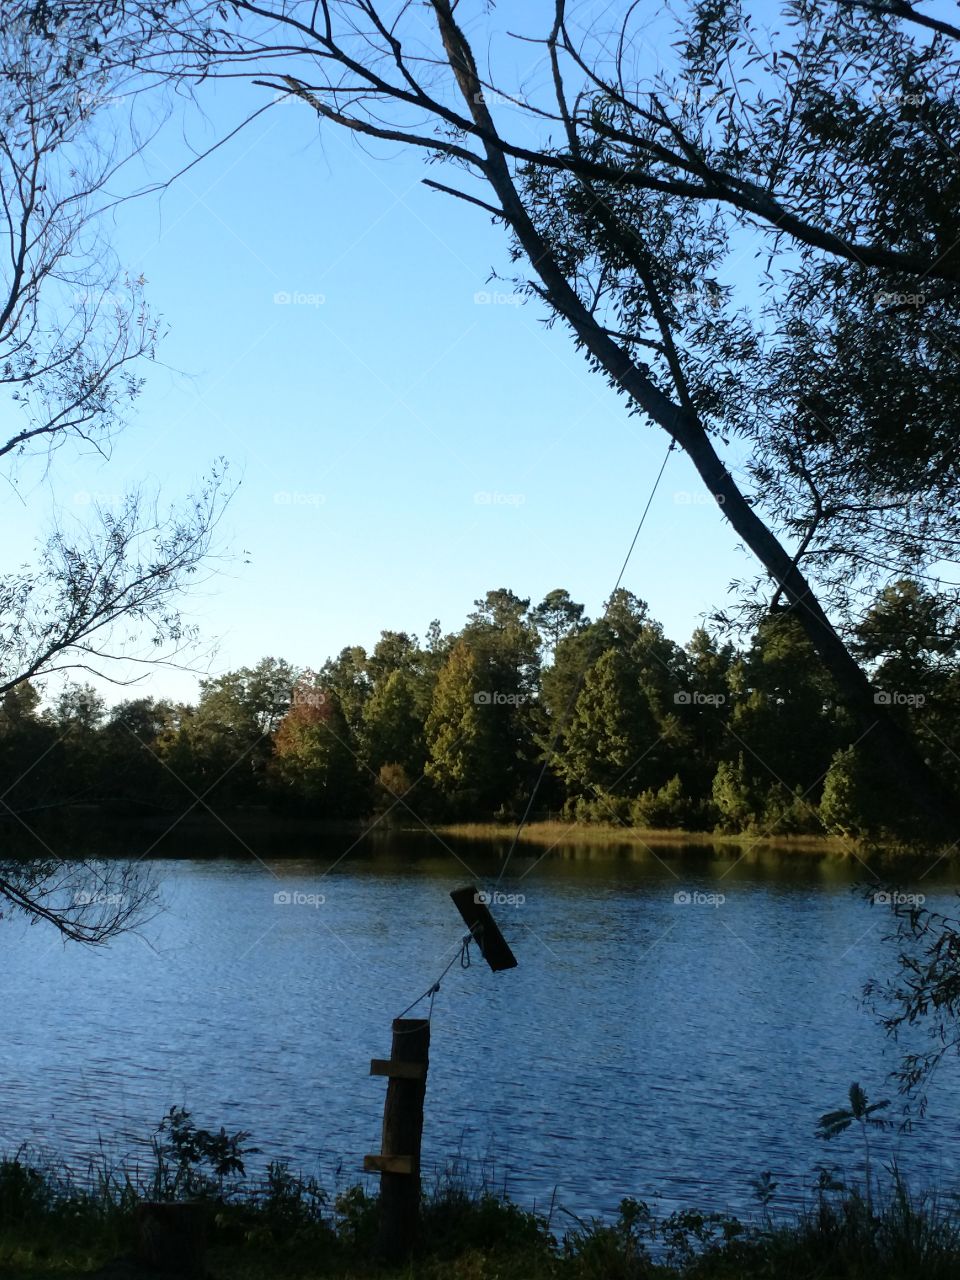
<point>402,446</point>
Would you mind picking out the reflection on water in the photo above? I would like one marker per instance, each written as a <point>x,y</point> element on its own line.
<point>676,1024</point>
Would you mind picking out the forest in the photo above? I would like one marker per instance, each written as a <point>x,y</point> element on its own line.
<point>625,725</point>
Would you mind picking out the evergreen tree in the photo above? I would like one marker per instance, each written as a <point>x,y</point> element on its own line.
<point>459,736</point>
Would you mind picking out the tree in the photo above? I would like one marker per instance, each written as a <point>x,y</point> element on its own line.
<point>785,720</point>
<point>458,736</point>
<point>910,639</point>
<point>393,725</point>
<point>348,677</point>
<point>394,651</point>
<point>733,796</point>
<point>923,994</point>
<point>555,617</point>
<point>704,705</point>
<point>908,635</point>
<point>504,642</point>
<point>315,762</point>
<point>630,198</point>
<point>612,732</point>
<point>222,748</point>
<point>132,750</point>
<point>29,755</point>
<point>855,803</point>
<point>74,332</point>
<point>77,716</point>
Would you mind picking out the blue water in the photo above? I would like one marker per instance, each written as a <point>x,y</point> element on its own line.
<point>642,1046</point>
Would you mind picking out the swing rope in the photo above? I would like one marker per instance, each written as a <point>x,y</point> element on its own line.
<point>551,752</point>
<point>463,955</point>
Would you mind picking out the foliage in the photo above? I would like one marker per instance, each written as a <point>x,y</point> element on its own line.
<point>191,1161</point>
<point>813,148</point>
<point>861,1112</point>
<point>282,1225</point>
<point>924,991</point>
<point>626,727</point>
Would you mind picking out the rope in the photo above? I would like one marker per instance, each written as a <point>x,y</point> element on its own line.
<point>548,760</point>
<point>463,955</point>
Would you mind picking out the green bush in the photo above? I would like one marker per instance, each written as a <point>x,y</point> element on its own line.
<point>669,807</point>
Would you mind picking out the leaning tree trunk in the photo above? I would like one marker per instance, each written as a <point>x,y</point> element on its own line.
<point>898,753</point>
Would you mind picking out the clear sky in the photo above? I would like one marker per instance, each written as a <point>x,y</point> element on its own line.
<point>403,446</point>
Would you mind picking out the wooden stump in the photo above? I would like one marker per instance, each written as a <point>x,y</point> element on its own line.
<point>399,1161</point>
<point>171,1237</point>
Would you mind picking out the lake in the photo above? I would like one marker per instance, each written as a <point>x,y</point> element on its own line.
<point>676,1025</point>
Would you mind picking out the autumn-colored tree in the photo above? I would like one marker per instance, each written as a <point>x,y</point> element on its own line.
<point>315,766</point>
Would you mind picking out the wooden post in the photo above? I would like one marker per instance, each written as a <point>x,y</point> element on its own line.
<point>399,1161</point>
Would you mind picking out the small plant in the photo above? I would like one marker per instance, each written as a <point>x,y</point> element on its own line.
<point>862,1112</point>
<point>356,1215</point>
<point>192,1161</point>
<point>291,1199</point>
<point>596,1251</point>
<point>690,1235</point>
<point>764,1189</point>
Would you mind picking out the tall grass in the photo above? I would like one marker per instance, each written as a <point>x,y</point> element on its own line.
<point>55,1223</point>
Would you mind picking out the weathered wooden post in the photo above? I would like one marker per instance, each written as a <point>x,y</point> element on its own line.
<point>399,1160</point>
<point>398,1163</point>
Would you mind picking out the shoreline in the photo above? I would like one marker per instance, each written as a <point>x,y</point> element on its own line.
<point>558,833</point>
<point>287,835</point>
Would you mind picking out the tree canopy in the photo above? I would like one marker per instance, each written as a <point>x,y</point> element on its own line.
<point>754,241</point>
<point>626,726</point>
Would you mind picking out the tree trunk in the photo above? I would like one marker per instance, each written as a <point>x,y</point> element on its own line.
<point>923,791</point>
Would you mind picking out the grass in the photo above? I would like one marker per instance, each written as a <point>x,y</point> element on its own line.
<point>286,1228</point>
<point>574,833</point>
<point>287,836</point>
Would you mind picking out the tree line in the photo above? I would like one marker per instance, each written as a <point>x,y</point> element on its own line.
<point>754,242</point>
<point>625,725</point>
